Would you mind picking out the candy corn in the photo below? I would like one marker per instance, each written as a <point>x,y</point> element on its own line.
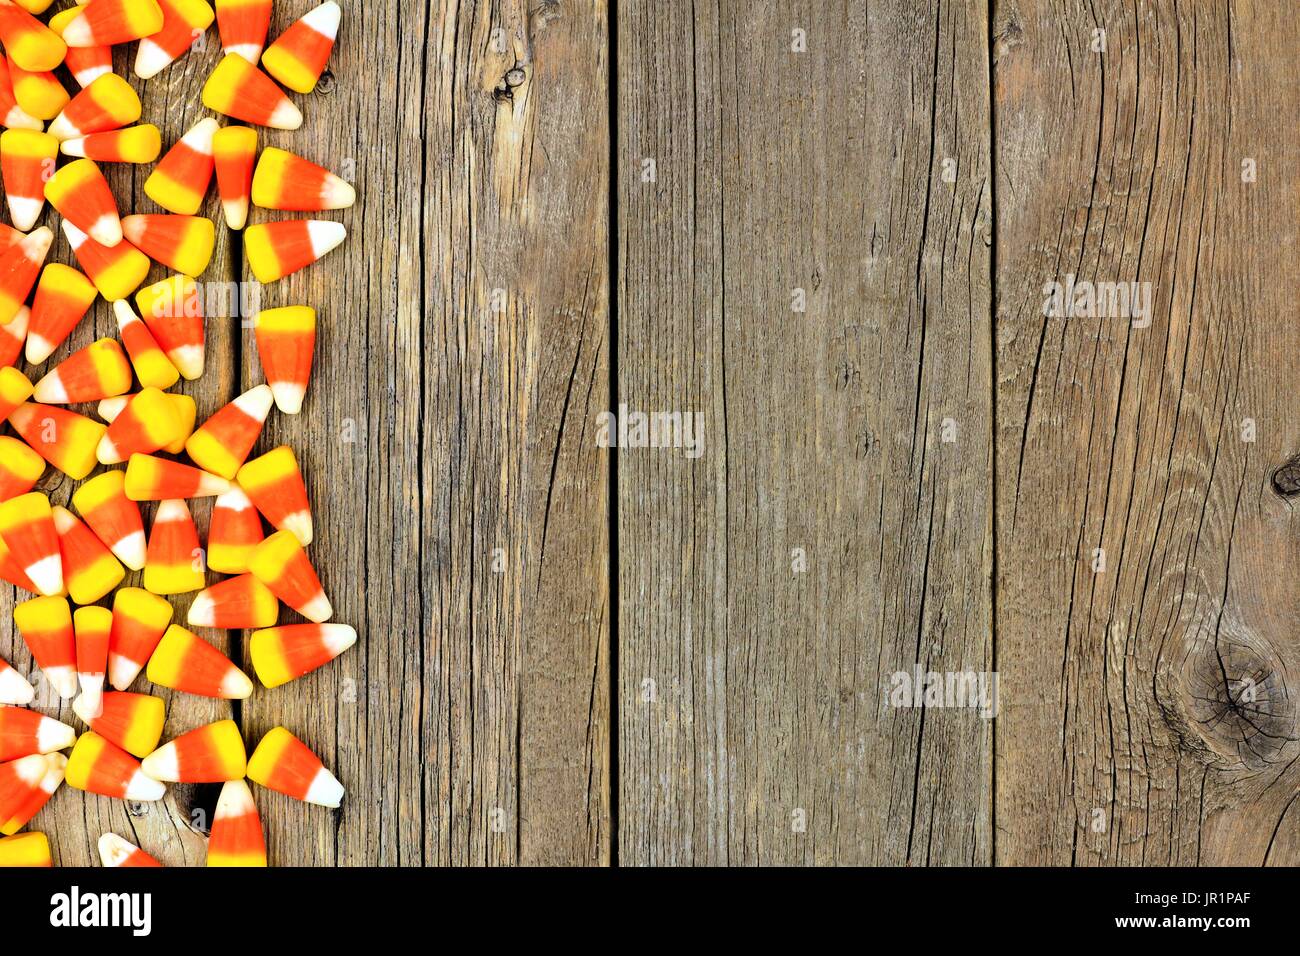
<point>15,388</point>
<point>236,838</point>
<point>19,266</point>
<point>237,602</point>
<point>209,754</point>
<point>278,249</point>
<point>298,56</point>
<point>173,312</point>
<point>81,194</point>
<point>183,243</point>
<point>46,625</point>
<point>107,103</point>
<point>180,180</point>
<point>139,620</point>
<point>173,563</point>
<point>282,565</point>
<point>34,6</point>
<point>12,334</point>
<point>234,531</point>
<point>149,478</point>
<point>282,654</point>
<point>63,295</point>
<point>14,687</point>
<point>184,21</point>
<point>285,764</point>
<point>182,405</point>
<point>89,569</point>
<point>133,722</point>
<point>233,149</point>
<point>152,367</point>
<point>98,766</point>
<point>26,785</point>
<point>63,438</point>
<point>29,43</point>
<point>25,849</point>
<point>20,468</point>
<point>113,517</point>
<point>85,63</point>
<point>183,661</point>
<point>12,115</point>
<point>285,340</point>
<point>109,22</point>
<point>116,271</point>
<point>239,89</point>
<point>92,626</point>
<point>24,732</point>
<point>100,370</point>
<point>221,444</point>
<point>135,144</point>
<point>27,526</point>
<point>148,423</point>
<point>11,570</point>
<point>115,851</point>
<point>39,94</point>
<point>286,181</point>
<point>275,486</point>
<point>242,25</point>
<point>26,158</point>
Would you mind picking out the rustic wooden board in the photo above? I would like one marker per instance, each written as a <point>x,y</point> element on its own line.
<point>459,496</point>
<point>514,710</point>
<point>1148,710</point>
<point>905,463</point>
<point>753,727</point>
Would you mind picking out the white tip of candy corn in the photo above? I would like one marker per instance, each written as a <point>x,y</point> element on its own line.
<point>63,679</point>
<point>325,789</point>
<point>52,735</point>
<point>92,695</point>
<point>113,850</point>
<point>324,19</point>
<point>131,550</point>
<point>15,688</point>
<point>47,574</point>
<point>144,788</point>
<point>317,609</point>
<point>236,686</point>
<point>288,396</point>
<point>325,235</point>
<point>163,763</point>
<point>121,671</point>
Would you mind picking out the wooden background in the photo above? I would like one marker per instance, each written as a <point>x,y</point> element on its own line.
<point>581,656</point>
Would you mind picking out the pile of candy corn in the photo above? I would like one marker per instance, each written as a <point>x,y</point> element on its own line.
<point>78,556</point>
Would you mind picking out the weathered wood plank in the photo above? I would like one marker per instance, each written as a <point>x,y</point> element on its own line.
<point>332,438</point>
<point>753,722</point>
<point>74,820</point>
<point>513,326</point>
<point>1147,714</point>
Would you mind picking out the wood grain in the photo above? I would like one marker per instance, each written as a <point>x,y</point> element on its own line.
<point>1149,716</point>
<point>753,727</point>
<point>834,228</point>
<point>515,711</point>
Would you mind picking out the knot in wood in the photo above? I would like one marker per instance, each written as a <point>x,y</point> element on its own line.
<point>1234,703</point>
<point>1286,480</point>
